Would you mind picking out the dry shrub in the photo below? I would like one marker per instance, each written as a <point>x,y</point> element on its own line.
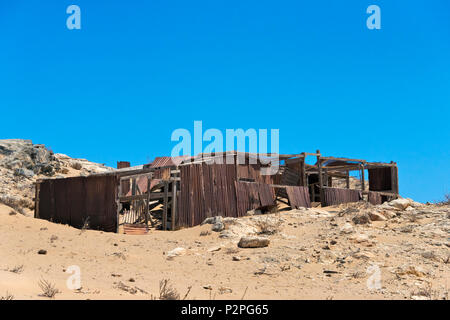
<point>446,200</point>
<point>8,296</point>
<point>167,292</point>
<point>48,289</point>
<point>268,226</point>
<point>17,269</point>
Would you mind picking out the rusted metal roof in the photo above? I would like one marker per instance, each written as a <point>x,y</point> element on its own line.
<point>160,162</point>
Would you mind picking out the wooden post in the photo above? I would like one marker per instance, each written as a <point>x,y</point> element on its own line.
<point>118,204</point>
<point>319,165</point>
<point>348,179</point>
<point>362,177</point>
<point>174,203</point>
<point>305,179</point>
<point>147,203</point>
<point>166,186</point>
<point>36,200</point>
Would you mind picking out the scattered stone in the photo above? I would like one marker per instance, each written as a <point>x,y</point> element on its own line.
<point>361,219</point>
<point>213,249</point>
<point>347,228</point>
<point>218,226</point>
<point>176,253</point>
<point>375,216</point>
<point>254,212</point>
<point>253,242</point>
<point>212,220</point>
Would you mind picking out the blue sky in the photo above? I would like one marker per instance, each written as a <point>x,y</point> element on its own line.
<point>137,70</point>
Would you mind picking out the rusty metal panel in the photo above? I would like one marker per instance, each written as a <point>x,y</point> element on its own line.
<point>375,198</point>
<point>206,190</point>
<point>160,162</point>
<point>253,195</point>
<point>123,164</point>
<point>298,196</point>
<point>72,200</point>
<point>380,179</point>
<point>335,196</point>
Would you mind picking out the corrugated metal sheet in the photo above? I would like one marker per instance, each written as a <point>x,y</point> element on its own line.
<point>206,190</point>
<point>252,195</point>
<point>380,179</point>
<point>298,197</point>
<point>334,196</point>
<point>160,162</point>
<point>375,198</point>
<point>73,200</point>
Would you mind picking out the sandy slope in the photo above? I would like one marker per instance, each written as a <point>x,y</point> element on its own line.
<point>412,254</point>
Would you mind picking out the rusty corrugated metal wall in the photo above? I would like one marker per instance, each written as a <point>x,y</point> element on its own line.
<point>206,190</point>
<point>380,179</point>
<point>334,196</point>
<point>298,196</point>
<point>72,200</point>
<point>253,195</point>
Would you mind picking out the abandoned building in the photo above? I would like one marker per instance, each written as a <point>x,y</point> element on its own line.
<point>172,193</point>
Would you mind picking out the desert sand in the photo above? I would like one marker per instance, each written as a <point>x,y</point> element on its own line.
<point>313,254</point>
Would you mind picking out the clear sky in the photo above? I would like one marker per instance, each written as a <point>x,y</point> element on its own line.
<point>137,70</point>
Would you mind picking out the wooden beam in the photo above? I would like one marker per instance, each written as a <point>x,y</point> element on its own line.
<point>174,204</point>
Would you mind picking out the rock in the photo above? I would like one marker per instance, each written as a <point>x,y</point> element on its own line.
<point>24,172</point>
<point>213,249</point>
<point>75,165</point>
<point>176,253</point>
<point>254,212</point>
<point>361,237</point>
<point>429,255</point>
<point>375,216</point>
<point>410,270</point>
<point>400,204</point>
<point>236,258</point>
<point>212,220</point>
<point>253,242</point>
<point>347,228</point>
<point>388,214</point>
<point>218,226</point>
<point>42,251</point>
<point>226,234</point>
<point>365,255</point>
<point>361,219</point>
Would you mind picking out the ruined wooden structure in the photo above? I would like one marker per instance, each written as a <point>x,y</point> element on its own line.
<point>171,193</point>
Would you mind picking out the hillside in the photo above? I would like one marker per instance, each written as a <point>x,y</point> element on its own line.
<point>22,163</point>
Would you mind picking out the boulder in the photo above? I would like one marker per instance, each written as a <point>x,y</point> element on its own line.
<point>375,216</point>
<point>212,220</point>
<point>218,226</point>
<point>253,242</point>
<point>24,172</point>
<point>361,219</point>
<point>400,204</point>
